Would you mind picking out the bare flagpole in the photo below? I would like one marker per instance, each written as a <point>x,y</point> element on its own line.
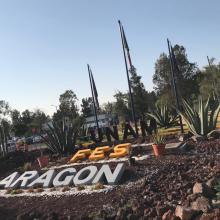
<point>174,85</point>
<point>93,99</point>
<point>129,84</point>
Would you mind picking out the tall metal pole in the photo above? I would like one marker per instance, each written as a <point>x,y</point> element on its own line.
<point>93,99</point>
<point>174,86</point>
<point>129,84</point>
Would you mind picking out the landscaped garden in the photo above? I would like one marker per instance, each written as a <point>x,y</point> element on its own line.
<point>179,181</point>
<point>151,155</point>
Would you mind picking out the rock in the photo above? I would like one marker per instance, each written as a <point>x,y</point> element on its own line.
<point>169,215</point>
<point>150,214</point>
<point>192,197</point>
<point>131,217</point>
<point>201,204</point>
<point>187,146</point>
<point>197,138</point>
<point>203,189</point>
<point>146,211</point>
<point>184,213</point>
<point>210,216</point>
<point>121,214</point>
<point>212,182</point>
<point>214,134</point>
<point>161,209</point>
<point>184,137</point>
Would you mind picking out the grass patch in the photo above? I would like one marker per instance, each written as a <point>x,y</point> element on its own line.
<point>53,189</point>
<point>25,167</point>
<point>98,186</point>
<point>16,191</point>
<point>31,190</point>
<point>39,190</point>
<point>80,187</point>
<point>65,189</point>
<point>8,191</point>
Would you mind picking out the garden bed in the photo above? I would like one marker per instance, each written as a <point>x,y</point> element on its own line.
<point>150,188</point>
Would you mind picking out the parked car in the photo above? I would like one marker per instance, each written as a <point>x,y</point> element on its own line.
<point>37,139</point>
<point>29,140</point>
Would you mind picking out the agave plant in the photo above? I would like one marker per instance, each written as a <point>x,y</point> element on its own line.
<point>61,139</point>
<point>163,116</point>
<point>158,139</point>
<point>202,121</point>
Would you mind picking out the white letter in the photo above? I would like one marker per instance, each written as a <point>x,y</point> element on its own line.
<point>24,179</point>
<point>44,180</point>
<point>112,178</point>
<point>8,180</point>
<point>63,179</point>
<point>85,175</point>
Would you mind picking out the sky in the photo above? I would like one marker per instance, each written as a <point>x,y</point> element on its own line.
<point>45,45</point>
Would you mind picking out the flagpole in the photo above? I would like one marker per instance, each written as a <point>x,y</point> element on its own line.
<point>93,99</point>
<point>129,85</point>
<point>174,85</point>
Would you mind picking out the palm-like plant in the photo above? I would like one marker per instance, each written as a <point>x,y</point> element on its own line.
<point>164,116</point>
<point>61,139</point>
<point>202,121</point>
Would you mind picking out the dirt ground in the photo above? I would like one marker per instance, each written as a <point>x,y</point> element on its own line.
<point>148,189</point>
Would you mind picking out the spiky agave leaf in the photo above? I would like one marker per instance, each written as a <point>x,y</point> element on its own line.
<point>163,116</point>
<point>60,140</point>
<point>214,116</point>
<point>199,121</point>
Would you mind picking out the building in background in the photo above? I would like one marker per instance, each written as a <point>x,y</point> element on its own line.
<point>103,119</point>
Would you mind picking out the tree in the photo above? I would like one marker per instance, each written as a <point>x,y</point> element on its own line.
<point>23,123</point>
<point>4,127</point>
<point>109,108</point>
<point>186,77</point>
<point>87,107</point>
<point>67,108</point>
<point>4,108</point>
<point>39,119</point>
<point>18,126</point>
<point>4,136</point>
<point>210,80</point>
<point>140,95</point>
<point>121,106</point>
